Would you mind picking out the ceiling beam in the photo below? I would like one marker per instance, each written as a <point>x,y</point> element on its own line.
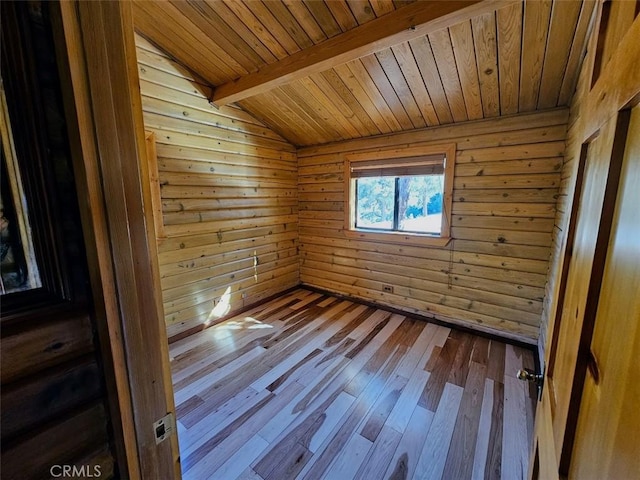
<point>404,24</point>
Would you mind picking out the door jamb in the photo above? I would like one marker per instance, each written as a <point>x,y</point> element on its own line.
<point>103,104</point>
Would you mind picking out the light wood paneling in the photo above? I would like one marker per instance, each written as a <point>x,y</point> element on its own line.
<point>534,36</point>
<point>610,390</point>
<point>228,187</point>
<point>310,386</point>
<point>504,204</point>
<point>567,191</point>
<point>582,374</point>
<point>419,18</point>
<point>507,58</point>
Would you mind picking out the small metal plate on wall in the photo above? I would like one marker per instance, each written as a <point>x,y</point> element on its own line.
<point>164,427</point>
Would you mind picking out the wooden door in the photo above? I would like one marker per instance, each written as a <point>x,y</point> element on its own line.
<point>585,418</point>
<point>606,444</point>
<point>570,357</point>
<point>579,281</point>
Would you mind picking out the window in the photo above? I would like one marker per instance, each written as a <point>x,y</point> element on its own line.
<point>401,195</point>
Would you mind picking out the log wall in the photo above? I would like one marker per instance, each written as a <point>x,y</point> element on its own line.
<point>492,274</point>
<point>229,198</point>
<point>53,374</point>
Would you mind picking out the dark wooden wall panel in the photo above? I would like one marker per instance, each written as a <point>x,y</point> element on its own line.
<point>53,386</point>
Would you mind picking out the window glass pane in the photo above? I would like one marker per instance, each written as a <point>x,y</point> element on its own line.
<point>375,202</point>
<point>420,203</point>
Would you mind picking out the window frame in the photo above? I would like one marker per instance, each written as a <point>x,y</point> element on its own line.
<point>393,155</point>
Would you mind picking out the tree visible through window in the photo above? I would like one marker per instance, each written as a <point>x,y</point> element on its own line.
<point>405,204</point>
<point>406,191</point>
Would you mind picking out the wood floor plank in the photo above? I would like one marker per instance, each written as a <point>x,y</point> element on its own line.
<point>400,416</point>
<point>432,392</point>
<point>306,301</point>
<point>302,322</point>
<point>333,414</point>
<point>185,347</point>
<point>281,371</point>
<point>433,358</point>
<point>289,451</point>
<point>515,442</point>
<point>316,391</point>
<point>460,366</point>
<point>484,428</point>
<point>383,408</point>
<point>324,369</point>
<point>351,422</point>
<point>493,468</point>
<point>459,462</point>
<point>211,364</point>
<point>220,417</point>
<point>335,381</point>
<point>209,338</point>
<point>212,454</point>
<point>340,350</point>
<point>235,466</point>
<point>495,370</point>
<point>214,378</point>
<point>430,337</point>
<point>480,350</point>
<point>405,459</point>
<point>204,458</point>
<point>351,457</point>
<point>218,342</point>
<point>364,313</point>
<point>313,386</point>
<point>380,454</point>
<point>253,370</point>
<point>185,408</point>
<point>370,336</point>
<point>434,453</point>
<point>283,462</point>
<point>337,441</point>
<point>249,474</point>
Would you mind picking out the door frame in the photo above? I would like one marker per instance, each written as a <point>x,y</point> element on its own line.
<point>616,89</point>
<point>101,93</point>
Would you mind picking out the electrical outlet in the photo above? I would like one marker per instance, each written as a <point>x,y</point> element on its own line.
<point>387,288</point>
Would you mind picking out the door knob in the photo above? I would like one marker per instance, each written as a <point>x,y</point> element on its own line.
<point>529,376</point>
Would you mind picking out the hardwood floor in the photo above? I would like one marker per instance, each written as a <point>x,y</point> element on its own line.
<point>310,386</point>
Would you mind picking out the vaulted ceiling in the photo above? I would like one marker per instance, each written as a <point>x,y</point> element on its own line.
<point>321,71</point>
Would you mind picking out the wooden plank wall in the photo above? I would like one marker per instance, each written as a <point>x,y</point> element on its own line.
<point>52,372</point>
<point>492,275</point>
<point>620,18</point>
<point>52,397</point>
<point>229,198</point>
<point>563,207</point>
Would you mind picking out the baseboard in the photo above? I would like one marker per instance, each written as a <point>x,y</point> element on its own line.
<point>490,333</point>
<point>486,332</point>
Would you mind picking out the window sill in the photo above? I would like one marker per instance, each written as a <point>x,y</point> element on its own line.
<point>398,238</point>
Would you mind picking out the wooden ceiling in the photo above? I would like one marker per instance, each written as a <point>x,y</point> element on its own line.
<point>321,71</point>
